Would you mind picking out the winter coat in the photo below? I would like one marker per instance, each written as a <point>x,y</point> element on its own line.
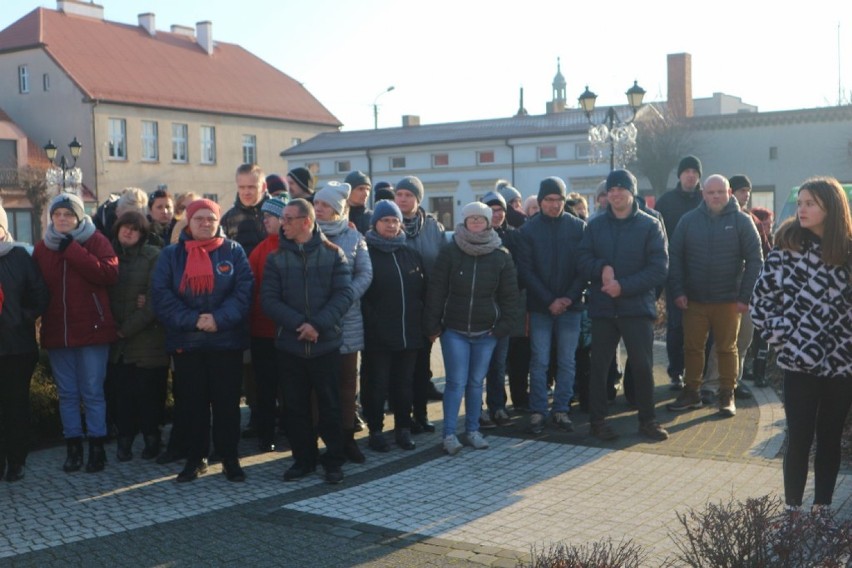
<point>25,299</point>
<point>229,302</point>
<point>393,304</point>
<point>245,224</point>
<point>715,258</point>
<point>675,203</point>
<point>635,248</point>
<point>428,239</point>
<point>803,307</point>
<point>144,338</point>
<point>307,283</point>
<point>473,294</point>
<point>79,313</point>
<point>360,217</point>
<point>547,260</point>
<point>261,324</point>
<point>352,243</point>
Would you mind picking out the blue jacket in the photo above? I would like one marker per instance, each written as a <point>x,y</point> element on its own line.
<point>547,260</point>
<point>229,302</point>
<point>635,248</point>
<point>308,283</point>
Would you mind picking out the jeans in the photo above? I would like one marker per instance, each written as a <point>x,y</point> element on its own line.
<point>465,364</point>
<point>567,326</point>
<point>495,380</point>
<point>79,373</point>
<point>674,337</point>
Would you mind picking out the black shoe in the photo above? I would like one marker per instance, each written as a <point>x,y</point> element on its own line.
<point>403,439</point>
<point>124,448</point>
<point>360,425</point>
<point>192,470</point>
<point>350,448</point>
<point>266,447</point>
<point>232,470</point>
<point>743,392</point>
<point>97,456</point>
<point>378,442</point>
<point>432,392</point>
<point>170,456</point>
<point>15,472</point>
<point>298,471</point>
<point>74,459</point>
<point>760,382</point>
<point>152,446</point>
<point>333,475</point>
<point>421,424</point>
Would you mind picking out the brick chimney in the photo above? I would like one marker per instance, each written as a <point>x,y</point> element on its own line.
<point>204,32</point>
<point>680,84</point>
<point>146,21</point>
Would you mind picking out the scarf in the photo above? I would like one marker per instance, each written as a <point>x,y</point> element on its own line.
<point>198,273</point>
<point>476,244</point>
<point>81,234</point>
<point>333,228</point>
<point>385,245</point>
<point>412,226</point>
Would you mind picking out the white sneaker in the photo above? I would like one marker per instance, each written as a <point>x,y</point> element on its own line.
<point>452,445</point>
<point>476,440</point>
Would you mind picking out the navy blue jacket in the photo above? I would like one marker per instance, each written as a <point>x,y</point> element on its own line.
<point>635,247</point>
<point>308,283</point>
<point>229,302</point>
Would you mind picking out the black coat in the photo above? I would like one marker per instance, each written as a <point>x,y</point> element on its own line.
<point>25,299</point>
<point>245,224</point>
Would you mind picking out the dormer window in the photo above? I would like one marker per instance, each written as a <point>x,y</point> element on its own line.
<point>23,79</point>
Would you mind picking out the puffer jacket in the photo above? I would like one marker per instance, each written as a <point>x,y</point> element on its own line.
<point>261,324</point>
<point>245,224</point>
<point>360,216</point>
<point>635,248</point>
<point>25,299</point>
<point>78,314</point>
<point>473,294</point>
<point>143,341</point>
<point>676,203</point>
<point>803,307</point>
<point>352,243</point>
<point>229,302</point>
<point>715,258</point>
<point>427,239</point>
<point>307,283</point>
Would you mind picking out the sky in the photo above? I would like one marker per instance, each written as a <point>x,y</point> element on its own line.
<point>455,60</point>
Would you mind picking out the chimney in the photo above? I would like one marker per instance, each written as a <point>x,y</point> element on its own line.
<point>409,120</point>
<point>680,84</point>
<point>183,31</point>
<point>77,8</point>
<point>146,21</point>
<point>521,110</point>
<point>205,36</point>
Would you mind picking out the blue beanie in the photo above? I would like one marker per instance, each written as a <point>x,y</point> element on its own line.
<point>385,208</point>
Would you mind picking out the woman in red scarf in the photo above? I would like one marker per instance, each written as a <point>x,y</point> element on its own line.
<point>201,292</point>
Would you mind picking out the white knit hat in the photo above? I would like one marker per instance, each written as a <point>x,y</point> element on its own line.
<point>335,194</point>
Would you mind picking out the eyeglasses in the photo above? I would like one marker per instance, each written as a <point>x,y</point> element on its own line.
<point>287,220</point>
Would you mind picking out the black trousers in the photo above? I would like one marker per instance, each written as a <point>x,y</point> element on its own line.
<point>518,367</point>
<point>814,405</point>
<point>15,407</point>
<point>391,373</point>
<point>140,398</point>
<point>210,379</point>
<point>638,335</point>
<point>264,357</point>
<point>318,376</point>
<point>422,377</point>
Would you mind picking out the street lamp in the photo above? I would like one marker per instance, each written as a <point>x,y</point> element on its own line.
<point>64,174</point>
<point>618,133</point>
<point>376,107</point>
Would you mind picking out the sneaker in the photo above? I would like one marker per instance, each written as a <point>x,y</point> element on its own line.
<point>602,431</point>
<point>676,384</point>
<point>452,445</point>
<point>727,406</point>
<point>485,422</point>
<point>475,440</point>
<point>536,423</point>
<point>652,429</point>
<point>743,392</point>
<point>333,475</point>
<point>502,418</point>
<point>708,397</point>
<point>686,400</point>
<point>561,421</point>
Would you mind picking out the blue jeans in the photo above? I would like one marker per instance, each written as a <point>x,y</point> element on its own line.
<point>79,373</point>
<point>495,380</point>
<point>542,327</point>
<point>465,365</point>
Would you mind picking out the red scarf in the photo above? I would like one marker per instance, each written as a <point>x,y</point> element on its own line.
<point>198,273</point>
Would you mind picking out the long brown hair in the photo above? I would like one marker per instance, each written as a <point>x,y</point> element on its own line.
<point>837,236</point>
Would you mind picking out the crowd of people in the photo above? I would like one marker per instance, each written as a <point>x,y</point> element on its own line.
<point>280,298</point>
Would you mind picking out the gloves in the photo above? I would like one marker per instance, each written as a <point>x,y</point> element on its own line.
<point>65,243</point>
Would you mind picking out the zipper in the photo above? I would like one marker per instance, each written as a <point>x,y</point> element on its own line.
<point>472,287</point>
<point>98,307</point>
<point>402,296</point>
<point>65,301</point>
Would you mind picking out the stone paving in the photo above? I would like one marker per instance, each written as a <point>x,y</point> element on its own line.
<point>419,508</point>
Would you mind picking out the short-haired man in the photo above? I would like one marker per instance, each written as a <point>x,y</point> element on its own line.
<point>306,290</point>
<point>624,256</point>
<point>244,221</point>
<point>301,183</point>
<point>715,261</point>
<point>359,214</point>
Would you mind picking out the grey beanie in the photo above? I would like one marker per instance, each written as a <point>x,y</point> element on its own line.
<point>68,201</point>
<point>412,184</point>
<point>552,186</point>
<point>508,192</point>
<point>335,194</point>
<point>494,198</point>
<point>356,178</point>
<point>476,208</point>
<point>689,162</point>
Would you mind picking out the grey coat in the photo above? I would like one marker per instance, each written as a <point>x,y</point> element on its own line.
<point>355,248</point>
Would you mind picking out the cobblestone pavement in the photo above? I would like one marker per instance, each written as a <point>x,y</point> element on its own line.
<point>418,508</point>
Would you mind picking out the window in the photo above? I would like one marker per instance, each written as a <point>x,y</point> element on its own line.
<point>442,208</point>
<point>546,153</point>
<point>45,82</point>
<point>117,139</point>
<point>440,160</point>
<point>214,197</point>
<point>249,149</point>
<point>583,151</point>
<point>23,79</point>
<point>343,166</point>
<point>21,225</point>
<point>486,157</point>
<point>150,141</point>
<point>208,145</point>
<point>773,152</point>
<point>180,132</point>
<point>397,162</point>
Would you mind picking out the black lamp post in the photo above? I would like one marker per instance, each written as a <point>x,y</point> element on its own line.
<point>635,94</point>
<point>376,107</point>
<point>51,150</point>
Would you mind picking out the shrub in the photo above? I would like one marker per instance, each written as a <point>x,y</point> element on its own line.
<point>600,554</point>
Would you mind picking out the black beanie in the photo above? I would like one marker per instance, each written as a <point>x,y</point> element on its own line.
<point>688,162</point>
<point>621,178</point>
<point>356,178</point>
<point>494,198</point>
<point>739,182</point>
<point>552,186</point>
<point>412,184</point>
<point>303,178</point>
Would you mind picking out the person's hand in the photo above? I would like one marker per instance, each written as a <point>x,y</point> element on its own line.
<point>432,338</point>
<point>612,288</point>
<point>559,306</point>
<point>206,323</point>
<point>742,308</point>
<point>307,332</point>
<point>681,302</point>
<point>65,242</point>
<point>140,301</point>
<point>607,275</point>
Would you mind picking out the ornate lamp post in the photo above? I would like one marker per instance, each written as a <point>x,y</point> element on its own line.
<point>618,133</point>
<point>64,175</point>
<point>376,107</point>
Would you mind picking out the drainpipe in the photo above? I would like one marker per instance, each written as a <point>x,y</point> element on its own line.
<point>512,177</point>
<point>372,200</point>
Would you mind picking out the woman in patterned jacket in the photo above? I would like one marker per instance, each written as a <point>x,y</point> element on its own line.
<point>802,304</point>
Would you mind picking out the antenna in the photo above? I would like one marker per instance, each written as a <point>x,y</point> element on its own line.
<point>839,70</point>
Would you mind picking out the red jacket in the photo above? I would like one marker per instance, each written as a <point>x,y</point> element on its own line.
<point>78,314</point>
<point>261,324</point>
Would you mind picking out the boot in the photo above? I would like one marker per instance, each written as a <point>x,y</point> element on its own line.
<point>97,455</point>
<point>758,369</point>
<point>402,436</point>
<point>74,459</point>
<point>351,449</point>
<point>152,446</point>
<point>124,450</point>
